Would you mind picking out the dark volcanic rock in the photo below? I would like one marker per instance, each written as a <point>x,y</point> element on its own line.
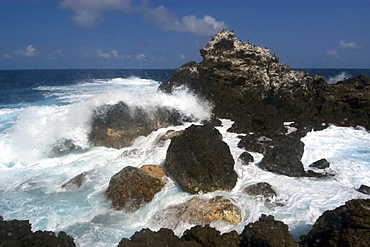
<point>63,147</point>
<point>246,158</point>
<point>199,160</point>
<point>146,237</point>
<point>347,225</point>
<point>320,164</point>
<point>118,125</point>
<point>267,232</point>
<point>132,187</point>
<point>18,233</point>
<point>263,189</point>
<point>247,84</point>
<point>364,189</point>
<point>285,158</point>
<point>210,237</point>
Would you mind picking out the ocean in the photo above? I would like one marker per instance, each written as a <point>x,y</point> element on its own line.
<point>39,108</point>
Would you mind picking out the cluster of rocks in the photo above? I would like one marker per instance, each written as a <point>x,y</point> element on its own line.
<point>18,233</point>
<point>347,225</point>
<point>274,105</point>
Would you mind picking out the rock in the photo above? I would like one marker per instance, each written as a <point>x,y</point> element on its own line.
<point>267,232</point>
<point>195,237</point>
<point>200,161</point>
<point>210,237</point>
<point>246,158</point>
<point>75,182</point>
<point>285,158</point>
<point>18,233</point>
<point>320,164</point>
<point>63,147</point>
<point>168,135</point>
<point>260,189</point>
<point>364,189</point>
<point>154,171</point>
<point>146,237</point>
<point>131,187</point>
<point>118,125</point>
<point>347,225</point>
<point>200,211</point>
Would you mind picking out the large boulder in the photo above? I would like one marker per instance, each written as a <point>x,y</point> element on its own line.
<point>267,232</point>
<point>19,233</point>
<point>200,211</point>
<point>132,187</point>
<point>118,125</point>
<point>347,225</point>
<point>200,161</point>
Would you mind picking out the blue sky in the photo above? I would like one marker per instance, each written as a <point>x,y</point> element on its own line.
<point>125,34</point>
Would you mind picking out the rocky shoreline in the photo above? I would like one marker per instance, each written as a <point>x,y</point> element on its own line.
<point>273,105</point>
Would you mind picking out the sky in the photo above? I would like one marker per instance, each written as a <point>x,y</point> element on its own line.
<point>164,34</point>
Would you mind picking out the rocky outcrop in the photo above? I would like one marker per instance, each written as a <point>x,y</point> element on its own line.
<point>200,211</point>
<point>118,125</point>
<point>19,233</point>
<point>267,232</point>
<point>132,187</point>
<point>75,182</point>
<point>199,161</point>
<point>347,225</point>
<point>364,189</point>
<point>247,84</point>
<point>320,164</point>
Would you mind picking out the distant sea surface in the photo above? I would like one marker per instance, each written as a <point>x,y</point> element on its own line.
<point>41,108</point>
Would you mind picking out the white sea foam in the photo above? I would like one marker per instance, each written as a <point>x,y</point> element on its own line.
<point>340,77</point>
<point>30,187</point>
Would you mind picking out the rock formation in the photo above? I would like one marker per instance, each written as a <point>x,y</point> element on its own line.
<point>347,225</point>
<point>131,187</point>
<point>200,211</point>
<point>199,161</point>
<point>118,125</point>
<point>247,84</point>
<point>19,233</point>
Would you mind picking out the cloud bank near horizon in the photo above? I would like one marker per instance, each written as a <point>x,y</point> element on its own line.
<point>88,13</point>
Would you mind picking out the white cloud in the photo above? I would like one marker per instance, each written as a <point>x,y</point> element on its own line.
<point>7,56</point>
<point>349,45</point>
<point>181,56</point>
<point>29,52</point>
<point>332,52</point>
<point>140,56</point>
<point>87,13</point>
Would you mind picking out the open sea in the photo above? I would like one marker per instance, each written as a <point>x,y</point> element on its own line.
<point>39,108</point>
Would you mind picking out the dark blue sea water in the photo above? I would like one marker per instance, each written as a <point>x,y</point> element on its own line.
<point>38,108</point>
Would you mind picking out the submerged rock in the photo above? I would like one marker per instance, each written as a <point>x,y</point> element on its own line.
<point>118,125</point>
<point>260,189</point>
<point>132,187</point>
<point>63,147</point>
<point>347,225</point>
<point>200,211</point>
<point>320,164</point>
<point>199,161</point>
<point>76,182</point>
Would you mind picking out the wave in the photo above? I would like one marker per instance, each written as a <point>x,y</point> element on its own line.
<point>340,77</point>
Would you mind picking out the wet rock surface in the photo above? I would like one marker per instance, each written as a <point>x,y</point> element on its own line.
<point>199,161</point>
<point>118,125</point>
<point>132,187</point>
<point>200,211</point>
<point>347,225</point>
<point>18,233</point>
